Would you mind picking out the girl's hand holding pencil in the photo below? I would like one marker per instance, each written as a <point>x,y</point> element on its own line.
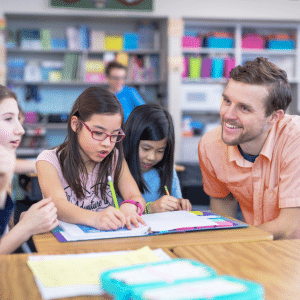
<point>169,203</point>
<point>110,219</point>
<point>165,203</point>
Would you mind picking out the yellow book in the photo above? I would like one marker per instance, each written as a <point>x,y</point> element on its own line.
<point>113,43</point>
<point>94,66</point>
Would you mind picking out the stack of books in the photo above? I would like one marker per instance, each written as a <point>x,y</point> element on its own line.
<point>143,68</point>
<point>94,71</point>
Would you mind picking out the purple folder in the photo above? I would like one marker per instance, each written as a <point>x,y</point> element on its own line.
<point>206,67</point>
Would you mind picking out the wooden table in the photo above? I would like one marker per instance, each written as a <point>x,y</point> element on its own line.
<point>275,264</point>
<point>17,281</point>
<point>48,244</point>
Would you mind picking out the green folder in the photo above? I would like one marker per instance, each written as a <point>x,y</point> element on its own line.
<point>195,67</point>
<point>46,39</point>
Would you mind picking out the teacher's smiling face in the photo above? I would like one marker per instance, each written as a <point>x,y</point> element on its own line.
<point>243,116</point>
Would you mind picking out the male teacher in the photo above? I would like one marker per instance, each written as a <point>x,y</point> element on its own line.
<point>254,156</point>
<point>128,96</point>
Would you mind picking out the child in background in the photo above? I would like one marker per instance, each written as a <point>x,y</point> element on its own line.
<point>149,151</point>
<point>75,174</point>
<point>41,217</point>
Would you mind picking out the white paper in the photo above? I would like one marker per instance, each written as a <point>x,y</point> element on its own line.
<point>175,219</point>
<point>73,232</point>
<point>207,289</point>
<point>178,270</point>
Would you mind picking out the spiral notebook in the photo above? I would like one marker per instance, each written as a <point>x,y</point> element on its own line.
<point>159,223</point>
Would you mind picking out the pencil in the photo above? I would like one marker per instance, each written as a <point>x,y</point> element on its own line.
<point>113,193</point>
<point>167,191</point>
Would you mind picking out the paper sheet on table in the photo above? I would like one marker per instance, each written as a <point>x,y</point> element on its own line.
<point>176,219</point>
<point>85,270</point>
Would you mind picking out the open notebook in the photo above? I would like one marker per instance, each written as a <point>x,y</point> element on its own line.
<point>159,223</point>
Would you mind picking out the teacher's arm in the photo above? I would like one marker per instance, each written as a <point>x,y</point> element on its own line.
<point>226,206</point>
<point>286,225</point>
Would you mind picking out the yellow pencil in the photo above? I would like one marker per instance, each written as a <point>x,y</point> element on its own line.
<point>167,191</point>
<point>113,193</point>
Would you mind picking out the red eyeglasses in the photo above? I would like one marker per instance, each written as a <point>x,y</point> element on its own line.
<point>101,136</point>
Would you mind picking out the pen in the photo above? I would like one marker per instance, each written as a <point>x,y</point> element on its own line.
<point>113,193</point>
<point>167,191</point>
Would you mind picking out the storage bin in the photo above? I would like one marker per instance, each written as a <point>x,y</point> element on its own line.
<point>16,69</point>
<point>191,42</point>
<point>216,42</point>
<point>253,41</point>
<point>281,44</point>
<point>217,68</point>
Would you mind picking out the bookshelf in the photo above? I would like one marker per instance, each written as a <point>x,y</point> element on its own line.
<point>48,41</point>
<point>193,79</point>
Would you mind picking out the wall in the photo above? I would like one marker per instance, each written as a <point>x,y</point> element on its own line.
<point>220,9</point>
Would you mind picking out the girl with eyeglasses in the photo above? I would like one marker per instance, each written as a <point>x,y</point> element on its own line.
<point>75,174</point>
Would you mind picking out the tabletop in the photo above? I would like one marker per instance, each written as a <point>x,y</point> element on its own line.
<point>48,244</point>
<point>17,281</point>
<point>275,264</point>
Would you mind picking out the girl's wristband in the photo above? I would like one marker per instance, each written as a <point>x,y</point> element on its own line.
<point>147,209</point>
<point>137,204</point>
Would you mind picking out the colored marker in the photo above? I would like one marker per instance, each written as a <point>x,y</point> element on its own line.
<point>167,191</point>
<point>113,193</point>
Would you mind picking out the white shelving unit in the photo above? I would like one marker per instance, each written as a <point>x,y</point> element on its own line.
<point>289,60</point>
<point>152,90</point>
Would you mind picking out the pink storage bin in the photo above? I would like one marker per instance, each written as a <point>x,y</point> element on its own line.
<point>191,42</point>
<point>228,66</point>
<point>253,41</point>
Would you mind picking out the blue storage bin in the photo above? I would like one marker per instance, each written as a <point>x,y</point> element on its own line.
<point>130,41</point>
<point>120,282</point>
<point>57,43</point>
<point>217,68</point>
<point>281,44</point>
<point>215,42</point>
<point>15,68</point>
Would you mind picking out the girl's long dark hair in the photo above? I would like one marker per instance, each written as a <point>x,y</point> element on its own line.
<point>153,123</point>
<point>94,100</point>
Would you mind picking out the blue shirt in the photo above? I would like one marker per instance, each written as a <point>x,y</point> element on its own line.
<point>153,182</point>
<point>129,98</point>
<point>5,214</point>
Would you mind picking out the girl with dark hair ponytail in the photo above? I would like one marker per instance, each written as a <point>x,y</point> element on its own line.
<point>149,152</point>
<point>75,174</point>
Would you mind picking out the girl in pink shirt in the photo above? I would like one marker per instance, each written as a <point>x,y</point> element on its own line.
<point>75,174</point>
